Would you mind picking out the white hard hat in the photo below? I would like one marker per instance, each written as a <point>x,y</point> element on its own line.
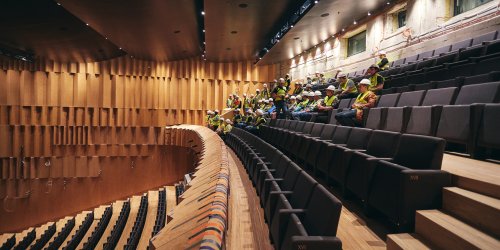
<point>365,82</point>
<point>221,118</point>
<point>317,93</point>
<point>251,95</point>
<point>382,52</point>
<point>293,98</point>
<point>257,90</point>
<point>299,97</point>
<point>265,85</point>
<point>339,70</point>
<point>282,79</point>
<point>266,101</point>
<point>317,72</point>
<point>259,112</point>
<point>261,100</point>
<point>236,110</point>
<point>216,111</point>
<point>305,93</point>
<point>331,87</point>
<point>209,111</point>
<point>310,94</point>
<point>228,121</point>
<point>309,86</point>
<point>245,94</point>
<point>270,99</point>
<point>341,75</point>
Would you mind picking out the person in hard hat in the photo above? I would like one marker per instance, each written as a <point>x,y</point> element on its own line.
<point>246,120</point>
<point>261,104</point>
<point>320,78</point>
<point>259,120</point>
<point>236,102</point>
<point>304,100</point>
<point>329,102</point>
<point>208,118</point>
<point>365,99</point>
<point>253,101</point>
<point>225,128</point>
<point>229,101</point>
<point>215,121</point>
<point>247,102</point>
<point>312,107</point>
<point>288,82</point>
<point>265,93</point>
<point>383,62</point>
<point>298,89</point>
<point>347,87</point>
<point>237,116</point>
<point>279,93</point>
<point>376,80</point>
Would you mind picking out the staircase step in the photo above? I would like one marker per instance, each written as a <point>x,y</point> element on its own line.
<point>405,241</point>
<point>480,211</point>
<point>446,231</point>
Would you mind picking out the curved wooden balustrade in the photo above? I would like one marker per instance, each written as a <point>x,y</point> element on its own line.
<point>200,218</point>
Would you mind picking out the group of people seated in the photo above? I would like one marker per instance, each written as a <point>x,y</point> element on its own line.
<point>303,103</point>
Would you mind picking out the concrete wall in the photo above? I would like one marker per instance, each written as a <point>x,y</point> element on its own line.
<point>431,23</point>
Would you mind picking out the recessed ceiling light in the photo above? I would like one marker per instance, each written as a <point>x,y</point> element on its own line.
<point>369,13</point>
<point>87,24</point>
<point>203,13</point>
<point>355,22</point>
<point>177,31</point>
<point>234,32</point>
<point>203,31</point>
<point>242,5</point>
<point>325,14</point>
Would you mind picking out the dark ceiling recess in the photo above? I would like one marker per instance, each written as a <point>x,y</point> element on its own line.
<point>32,29</point>
<point>243,5</point>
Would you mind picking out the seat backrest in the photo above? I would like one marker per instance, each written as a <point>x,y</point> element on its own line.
<point>323,213</point>
<point>358,138</point>
<point>444,96</point>
<point>456,82</point>
<point>426,63</point>
<point>488,129</point>
<point>308,126</point>
<point>344,103</point>
<point>302,190</point>
<point>402,89</point>
<point>479,93</point>
<point>484,38</point>
<point>316,129</point>
<point>280,123</point>
<point>272,122</point>
<point>389,100</point>
<point>398,62</point>
<point>413,98</point>
<point>327,131</point>
<point>426,54</point>
<point>292,125</point>
<point>420,152</point>
<point>424,86</point>
<point>383,143</point>
<point>300,125</point>
<point>488,77</point>
<point>460,45</point>
<point>282,167</point>
<point>341,134</point>
<point>290,177</point>
<point>487,65</point>
<point>444,49</point>
<point>411,59</point>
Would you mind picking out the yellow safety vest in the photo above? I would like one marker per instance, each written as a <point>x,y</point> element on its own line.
<point>304,103</point>
<point>361,99</point>
<point>344,87</point>
<point>215,120</point>
<point>260,120</point>
<point>330,100</point>
<point>227,128</point>
<point>281,92</point>
<point>386,66</point>
<point>373,82</point>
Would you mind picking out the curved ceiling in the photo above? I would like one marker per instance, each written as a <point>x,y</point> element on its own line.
<point>166,30</point>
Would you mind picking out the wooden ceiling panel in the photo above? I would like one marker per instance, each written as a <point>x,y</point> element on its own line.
<point>152,29</point>
<point>254,25</point>
<point>43,28</point>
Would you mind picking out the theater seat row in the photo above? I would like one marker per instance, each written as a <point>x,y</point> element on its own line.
<point>389,172</point>
<point>301,213</point>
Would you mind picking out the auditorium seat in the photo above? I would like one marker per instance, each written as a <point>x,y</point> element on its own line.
<point>95,236</point>
<point>424,86</point>
<point>397,117</point>
<point>411,180</point>
<point>297,139</point>
<point>425,55</point>
<point>61,236</point>
<point>375,116</point>
<point>458,123</point>
<point>359,165</point>
<point>44,238</point>
<point>454,82</point>
<point>488,77</point>
<point>310,155</point>
<point>343,104</point>
<point>488,37</point>
<point>314,227</point>
<point>488,133</point>
<point>80,232</point>
<point>304,144</point>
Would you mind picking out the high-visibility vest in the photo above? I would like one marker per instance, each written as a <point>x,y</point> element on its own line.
<point>298,91</point>
<point>227,128</point>
<point>229,103</point>
<point>386,66</point>
<point>247,103</point>
<point>330,100</point>
<point>237,118</point>
<point>280,93</point>
<point>374,81</point>
<point>216,120</point>
<point>344,87</point>
<point>361,99</point>
<point>260,120</point>
<point>304,103</point>
<point>264,94</point>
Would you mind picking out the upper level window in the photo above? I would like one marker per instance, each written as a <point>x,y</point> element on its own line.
<point>462,6</point>
<point>402,18</point>
<point>356,44</point>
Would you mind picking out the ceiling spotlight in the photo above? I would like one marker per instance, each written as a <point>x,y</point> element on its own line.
<point>203,31</point>
<point>291,26</point>
<point>388,3</point>
<point>316,1</point>
<point>203,13</point>
<point>87,24</point>
<point>58,3</point>
<point>260,58</point>
<point>343,30</point>
<point>355,22</point>
<point>120,48</point>
<point>369,13</point>
<point>203,42</point>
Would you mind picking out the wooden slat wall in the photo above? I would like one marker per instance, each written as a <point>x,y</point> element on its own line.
<point>83,118</point>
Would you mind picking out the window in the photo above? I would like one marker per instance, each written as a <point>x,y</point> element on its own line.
<point>356,44</point>
<point>462,6</point>
<point>401,18</point>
